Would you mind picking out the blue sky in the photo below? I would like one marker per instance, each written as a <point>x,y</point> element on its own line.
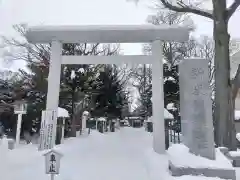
<point>85,12</point>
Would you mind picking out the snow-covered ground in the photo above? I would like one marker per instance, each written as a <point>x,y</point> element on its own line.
<point>123,155</point>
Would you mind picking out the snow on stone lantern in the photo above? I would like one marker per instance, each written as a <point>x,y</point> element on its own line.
<point>85,116</point>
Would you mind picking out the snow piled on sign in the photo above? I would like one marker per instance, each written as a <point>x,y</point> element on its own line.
<point>62,112</point>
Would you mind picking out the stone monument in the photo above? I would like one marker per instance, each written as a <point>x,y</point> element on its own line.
<point>196,107</point>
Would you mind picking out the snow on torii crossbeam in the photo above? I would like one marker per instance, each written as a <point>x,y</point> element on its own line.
<point>56,35</point>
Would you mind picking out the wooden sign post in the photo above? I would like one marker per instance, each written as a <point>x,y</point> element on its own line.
<point>52,163</point>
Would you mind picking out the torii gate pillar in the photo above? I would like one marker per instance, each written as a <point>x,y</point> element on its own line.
<point>54,75</point>
<point>158,98</point>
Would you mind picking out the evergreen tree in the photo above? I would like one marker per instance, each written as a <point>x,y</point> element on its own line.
<point>35,79</point>
<point>171,84</point>
<point>146,103</point>
<point>9,93</point>
<point>111,98</point>
<point>171,90</point>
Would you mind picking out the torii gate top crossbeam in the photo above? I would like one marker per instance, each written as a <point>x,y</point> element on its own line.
<point>107,34</point>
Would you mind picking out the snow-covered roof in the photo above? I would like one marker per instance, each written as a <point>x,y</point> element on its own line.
<point>52,151</point>
<point>101,119</point>
<point>62,112</point>
<point>167,115</point>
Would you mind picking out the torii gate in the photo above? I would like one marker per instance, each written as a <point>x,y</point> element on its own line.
<point>56,35</point>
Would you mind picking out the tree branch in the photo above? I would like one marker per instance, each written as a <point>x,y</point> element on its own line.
<point>187,9</point>
<point>232,8</point>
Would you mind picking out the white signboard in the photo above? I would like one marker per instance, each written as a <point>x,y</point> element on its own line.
<point>48,130</point>
<point>43,125</point>
<point>20,107</point>
<point>52,162</point>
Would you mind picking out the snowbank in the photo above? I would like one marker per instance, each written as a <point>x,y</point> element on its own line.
<point>167,115</point>
<point>3,145</point>
<point>157,166</point>
<point>180,156</point>
<point>235,154</point>
<point>62,112</point>
<point>126,154</point>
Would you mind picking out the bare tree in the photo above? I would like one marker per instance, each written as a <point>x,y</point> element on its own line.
<point>224,105</point>
<point>224,109</point>
<point>172,51</point>
<point>205,49</point>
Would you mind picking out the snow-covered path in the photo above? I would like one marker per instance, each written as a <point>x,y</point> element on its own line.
<point>123,155</point>
<point>114,156</point>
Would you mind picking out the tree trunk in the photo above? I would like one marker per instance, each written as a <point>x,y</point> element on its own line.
<point>223,94</point>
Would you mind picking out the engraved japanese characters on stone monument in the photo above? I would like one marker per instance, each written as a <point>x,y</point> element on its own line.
<point>196,107</point>
<point>198,134</point>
